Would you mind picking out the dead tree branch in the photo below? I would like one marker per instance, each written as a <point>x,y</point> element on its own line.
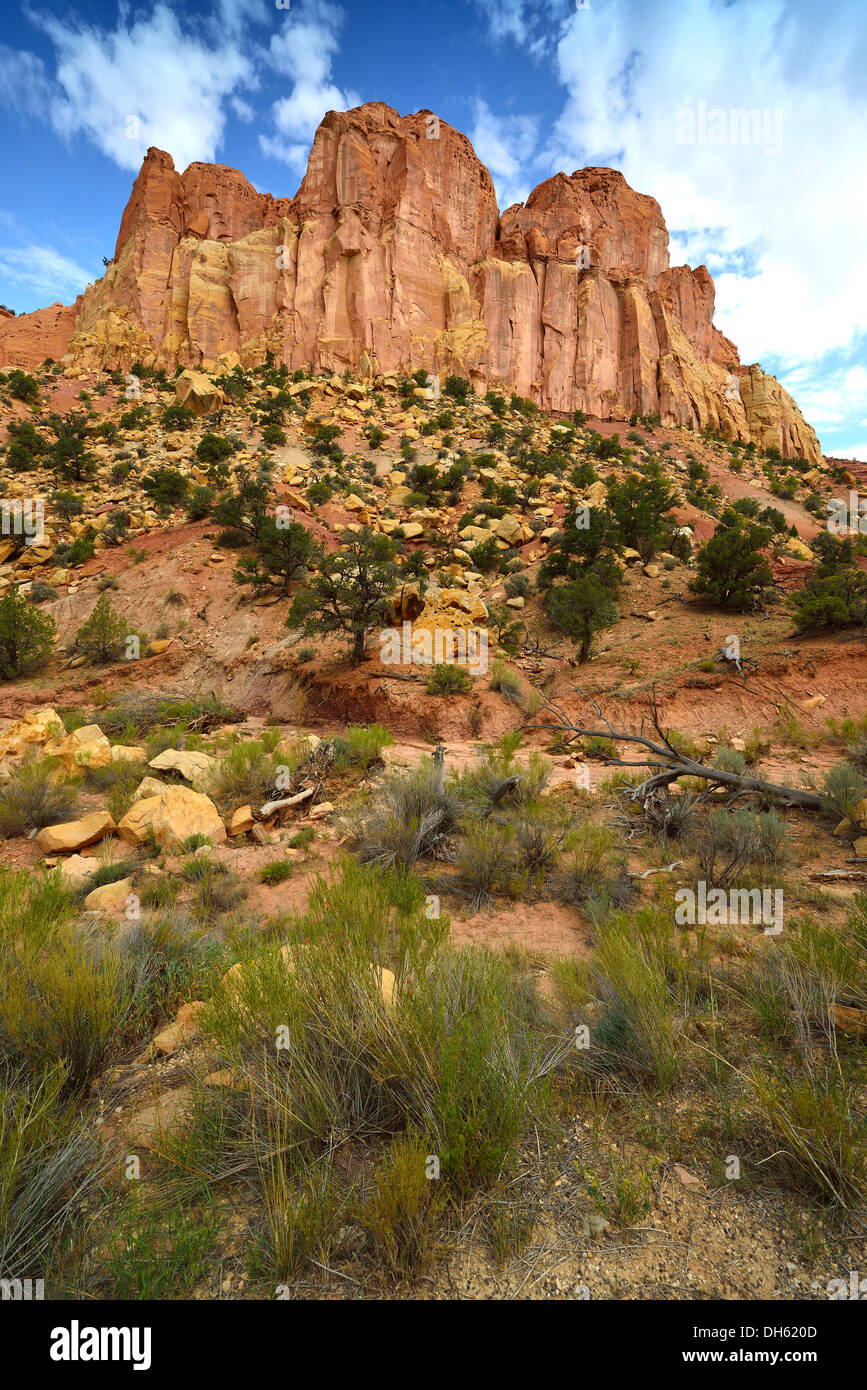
<point>669,764</point>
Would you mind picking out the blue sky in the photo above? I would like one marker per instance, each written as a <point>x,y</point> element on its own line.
<point>776,208</point>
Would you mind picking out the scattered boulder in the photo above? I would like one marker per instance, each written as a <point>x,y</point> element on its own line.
<point>171,1110</point>
<point>109,897</point>
<point>127,753</point>
<point>33,731</point>
<point>77,869</point>
<point>241,821</point>
<point>196,768</point>
<point>184,1029</point>
<point>171,818</point>
<point>84,747</point>
<point>75,834</point>
<point>197,392</point>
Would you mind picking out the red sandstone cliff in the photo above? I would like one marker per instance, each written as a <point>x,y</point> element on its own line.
<point>392,256</point>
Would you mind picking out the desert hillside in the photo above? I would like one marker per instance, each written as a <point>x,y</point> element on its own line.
<point>351,947</point>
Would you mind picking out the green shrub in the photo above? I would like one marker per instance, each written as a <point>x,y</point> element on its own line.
<point>361,744</point>
<point>102,638</point>
<point>36,795</point>
<point>165,486</point>
<point>177,417</point>
<point>731,571</point>
<point>448,679</point>
<point>276,872</point>
<point>26,636</point>
<point>199,502</point>
<point>844,786</point>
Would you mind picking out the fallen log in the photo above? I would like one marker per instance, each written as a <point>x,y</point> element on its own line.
<point>271,807</point>
<point>670,764</point>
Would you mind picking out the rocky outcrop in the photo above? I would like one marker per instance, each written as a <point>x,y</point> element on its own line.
<point>393,256</point>
<point>27,340</point>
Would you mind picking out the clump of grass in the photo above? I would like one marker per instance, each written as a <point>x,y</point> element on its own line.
<point>158,892</point>
<point>636,1031</point>
<point>246,775</point>
<point>486,863</point>
<point>302,839</point>
<point>501,781</point>
<point>360,745</point>
<point>110,873</point>
<point>63,1007</point>
<point>401,1209</point>
<point>36,795</point>
<point>410,818</point>
<point>217,893</point>
<point>539,833</point>
<point>456,1056</point>
<point>50,1163</point>
<point>818,1129</point>
<point>448,679</point>
<point>844,786</point>
<point>118,783</point>
<point>506,683</point>
<point>276,872</point>
<point>593,875</point>
<point>194,842</point>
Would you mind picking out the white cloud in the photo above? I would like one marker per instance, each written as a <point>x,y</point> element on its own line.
<point>44,272</point>
<point>303,51</point>
<point>507,19</point>
<point>631,68</point>
<point>242,109</point>
<point>147,82</point>
<point>851,451</point>
<point>783,232</point>
<point>24,85</point>
<point>506,145</point>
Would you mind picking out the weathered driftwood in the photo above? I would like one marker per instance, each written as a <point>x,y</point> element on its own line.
<point>670,764</point>
<point>271,807</point>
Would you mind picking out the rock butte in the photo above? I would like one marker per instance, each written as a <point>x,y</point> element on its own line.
<point>393,256</point>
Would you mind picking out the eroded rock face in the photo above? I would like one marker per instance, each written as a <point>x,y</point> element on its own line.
<point>393,256</point>
<point>27,340</point>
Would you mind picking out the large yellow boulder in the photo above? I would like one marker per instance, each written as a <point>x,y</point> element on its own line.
<point>197,392</point>
<point>798,549</point>
<point>128,753</point>
<point>171,818</point>
<point>195,768</point>
<point>75,834</point>
<point>510,528</point>
<point>109,897</point>
<point>33,731</point>
<point>135,826</point>
<point>84,747</point>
